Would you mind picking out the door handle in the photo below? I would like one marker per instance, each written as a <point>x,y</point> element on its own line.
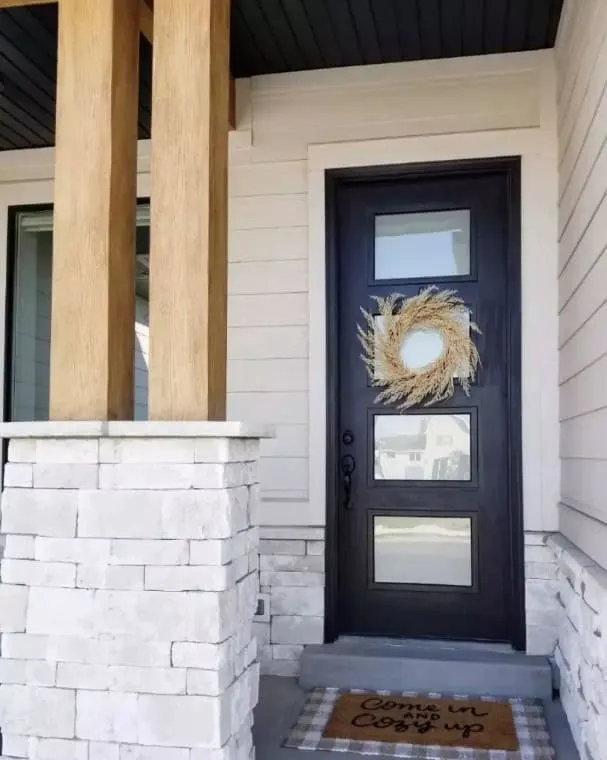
<point>348,465</point>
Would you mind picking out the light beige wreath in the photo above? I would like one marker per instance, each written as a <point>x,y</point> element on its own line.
<point>384,334</point>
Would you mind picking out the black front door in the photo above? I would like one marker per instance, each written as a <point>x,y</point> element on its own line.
<point>427,502</point>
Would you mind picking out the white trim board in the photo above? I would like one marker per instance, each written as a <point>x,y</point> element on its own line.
<point>541,468</point>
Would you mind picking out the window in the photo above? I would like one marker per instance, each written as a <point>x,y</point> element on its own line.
<point>31,316</point>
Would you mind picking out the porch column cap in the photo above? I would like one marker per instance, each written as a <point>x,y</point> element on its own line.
<point>130,429</point>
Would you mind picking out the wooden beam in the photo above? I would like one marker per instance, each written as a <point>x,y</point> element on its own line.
<point>189,156</point>
<point>146,15</point>
<point>146,21</point>
<point>93,314</point>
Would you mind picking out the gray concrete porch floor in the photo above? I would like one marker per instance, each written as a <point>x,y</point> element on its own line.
<point>281,699</point>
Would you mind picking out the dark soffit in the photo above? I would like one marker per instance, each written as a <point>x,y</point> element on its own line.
<point>274,36</point>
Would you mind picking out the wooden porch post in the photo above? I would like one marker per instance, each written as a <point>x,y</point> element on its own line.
<point>93,311</point>
<point>188,258</point>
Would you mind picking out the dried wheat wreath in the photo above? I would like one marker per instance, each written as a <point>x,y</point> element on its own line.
<point>382,341</point>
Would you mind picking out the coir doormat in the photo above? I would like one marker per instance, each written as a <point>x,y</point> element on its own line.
<point>434,726</point>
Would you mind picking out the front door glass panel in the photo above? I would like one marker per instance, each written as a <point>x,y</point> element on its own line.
<point>422,447</point>
<point>422,245</point>
<point>422,550</point>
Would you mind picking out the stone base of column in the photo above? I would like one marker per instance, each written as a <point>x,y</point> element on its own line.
<point>129,585</point>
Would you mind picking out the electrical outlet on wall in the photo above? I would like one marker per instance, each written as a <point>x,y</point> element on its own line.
<point>262,612</point>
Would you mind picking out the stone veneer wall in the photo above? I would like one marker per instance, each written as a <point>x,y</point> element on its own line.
<point>581,651</point>
<point>542,609</point>
<point>129,584</point>
<point>292,586</point>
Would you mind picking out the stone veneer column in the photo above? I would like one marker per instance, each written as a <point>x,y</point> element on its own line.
<point>129,585</point>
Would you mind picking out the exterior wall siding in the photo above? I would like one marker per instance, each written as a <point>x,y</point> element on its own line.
<point>284,116</point>
<point>581,547</point>
<point>581,56</point>
<point>289,128</point>
<point>274,310</point>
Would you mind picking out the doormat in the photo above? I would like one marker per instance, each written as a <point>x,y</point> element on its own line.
<point>430,726</point>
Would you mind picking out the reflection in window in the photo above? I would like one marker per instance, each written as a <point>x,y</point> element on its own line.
<point>422,447</point>
<point>421,346</point>
<point>31,318</point>
<point>428,550</point>
<point>422,245</point>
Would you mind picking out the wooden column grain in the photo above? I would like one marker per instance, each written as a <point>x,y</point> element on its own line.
<point>188,258</point>
<point>93,305</point>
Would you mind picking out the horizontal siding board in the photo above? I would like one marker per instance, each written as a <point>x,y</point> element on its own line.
<point>581,57</point>
<point>583,67</point>
<point>586,255</point>
<point>586,144</point>
<point>584,437</point>
<point>268,244</point>
<point>290,441</point>
<point>259,277</point>
<point>255,179</point>
<point>274,148</point>
<point>591,155</point>
<point>569,53</point>
<point>585,486</point>
<point>420,72</point>
<point>585,392</point>
<point>255,212</point>
<point>585,347</point>
<point>268,310</point>
<point>286,407</point>
<point>589,534</point>
<point>265,375</point>
<point>268,343</point>
<point>284,475</point>
<point>502,117</point>
<point>592,197</point>
<point>401,109</point>
<point>585,301</point>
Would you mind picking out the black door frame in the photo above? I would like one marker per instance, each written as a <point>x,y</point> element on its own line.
<point>510,168</point>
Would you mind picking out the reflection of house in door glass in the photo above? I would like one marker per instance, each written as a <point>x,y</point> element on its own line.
<point>422,447</point>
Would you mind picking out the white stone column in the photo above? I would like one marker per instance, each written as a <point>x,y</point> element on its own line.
<point>129,585</point>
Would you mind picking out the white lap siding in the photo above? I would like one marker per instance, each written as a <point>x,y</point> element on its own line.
<point>581,551</point>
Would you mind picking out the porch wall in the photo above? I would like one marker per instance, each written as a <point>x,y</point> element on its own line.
<point>581,56</point>
<point>301,123</point>
<point>290,128</point>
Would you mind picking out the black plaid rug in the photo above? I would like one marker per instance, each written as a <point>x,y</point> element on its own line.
<point>528,714</point>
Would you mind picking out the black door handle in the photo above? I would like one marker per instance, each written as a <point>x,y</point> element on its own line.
<point>348,465</point>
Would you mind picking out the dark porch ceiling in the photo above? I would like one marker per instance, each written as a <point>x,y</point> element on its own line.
<point>272,36</point>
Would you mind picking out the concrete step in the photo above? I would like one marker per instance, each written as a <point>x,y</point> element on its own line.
<point>426,667</point>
